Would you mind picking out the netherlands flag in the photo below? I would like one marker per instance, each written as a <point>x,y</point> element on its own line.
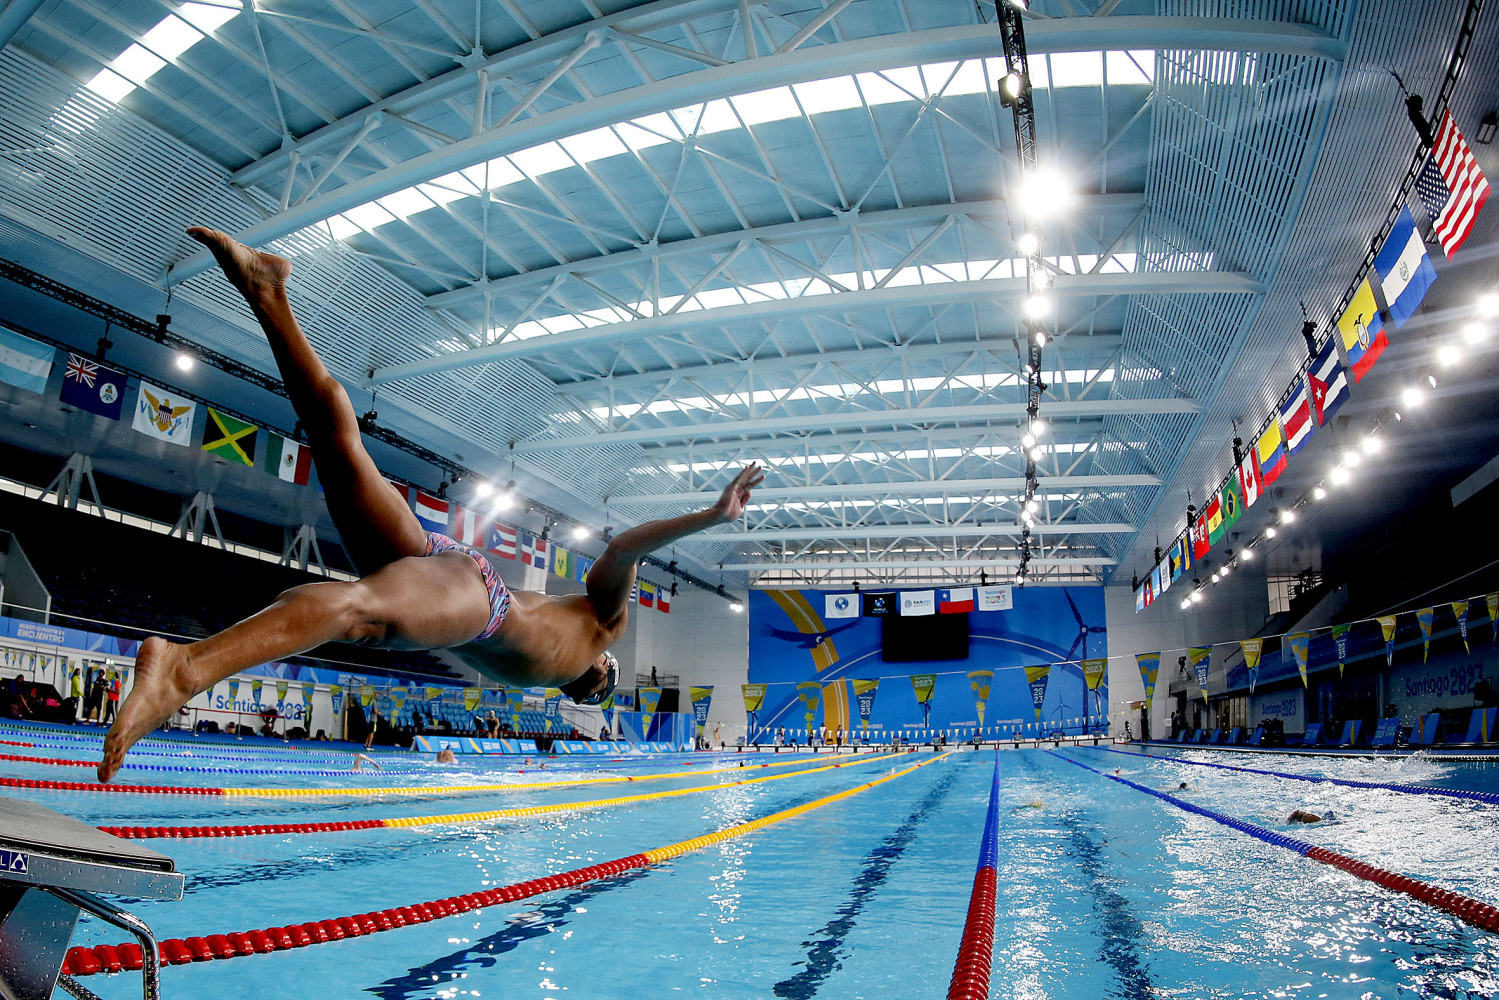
<point>432,512</point>
<point>1328,381</point>
<point>470,527</point>
<point>951,602</point>
<point>502,541</point>
<point>1296,418</point>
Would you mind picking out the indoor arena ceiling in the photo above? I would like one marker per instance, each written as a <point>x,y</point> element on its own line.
<point>621,249</point>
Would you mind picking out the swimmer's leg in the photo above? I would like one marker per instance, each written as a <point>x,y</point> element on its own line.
<point>374,523</point>
<point>412,603</point>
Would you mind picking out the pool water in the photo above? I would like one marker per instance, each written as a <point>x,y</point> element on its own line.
<point>1104,891</point>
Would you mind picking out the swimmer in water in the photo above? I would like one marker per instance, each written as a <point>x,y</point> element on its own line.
<point>417,590</point>
<point>360,760</point>
<point>445,756</point>
<point>1032,804</point>
<point>1304,816</point>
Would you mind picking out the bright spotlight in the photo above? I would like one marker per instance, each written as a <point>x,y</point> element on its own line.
<point>580,533</point>
<point>1475,333</point>
<point>1372,444</point>
<point>1449,356</point>
<point>1247,555</point>
<point>1340,476</point>
<point>483,490</point>
<point>1196,596</point>
<point>1287,516</point>
<point>1319,494</point>
<point>504,502</point>
<point>1028,243</point>
<point>1012,85</point>
<point>1488,306</point>
<point>1037,306</point>
<point>1038,426</point>
<point>1036,454</point>
<point>1186,603</point>
<point>1215,577</point>
<point>1029,440</point>
<point>1046,192</point>
<point>1270,531</point>
<point>1351,458</point>
<point>1412,397</point>
<point>184,363</point>
<point>1040,339</point>
<point>736,607</point>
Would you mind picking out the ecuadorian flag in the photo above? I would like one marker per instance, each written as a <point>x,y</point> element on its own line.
<point>1361,330</point>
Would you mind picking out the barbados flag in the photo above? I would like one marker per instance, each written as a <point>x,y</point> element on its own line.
<point>1272,453</point>
<point>1361,330</point>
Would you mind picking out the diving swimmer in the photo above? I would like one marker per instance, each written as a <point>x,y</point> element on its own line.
<point>416,590</point>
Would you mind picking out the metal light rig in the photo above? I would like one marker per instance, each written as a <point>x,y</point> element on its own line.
<point>1015,94</point>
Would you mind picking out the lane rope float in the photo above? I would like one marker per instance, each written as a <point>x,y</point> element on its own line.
<point>128,766</point>
<point>94,786</point>
<point>1467,909</point>
<point>1452,793</point>
<point>264,829</point>
<point>86,961</point>
<point>970,974</point>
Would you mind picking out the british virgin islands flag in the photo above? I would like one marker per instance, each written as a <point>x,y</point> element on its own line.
<point>1405,271</point>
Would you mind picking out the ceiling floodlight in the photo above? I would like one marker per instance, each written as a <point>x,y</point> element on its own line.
<point>1029,440</point>
<point>1036,454</point>
<point>1340,476</point>
<point>1448,356</point>
<point>1046,192</point>
<point>1037,306</point>
<point>184,363</point>
<point>1372,444</point>
<point>1028,243</point>
<point>580,533</point>
<point>1270,531</point>
<point>1475,333</point>
<point>1319,493</point>
<point>1412,397</point>
<point>1488,306</point>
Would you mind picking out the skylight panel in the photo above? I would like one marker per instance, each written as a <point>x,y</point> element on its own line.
<point>172,37</point>
<point>110,85</point>
<point>1076,69</point>
<point>595,145</point>
<point>650,130</point>
<point>969,79</point>
<point>369,215</point>
<point>908,79</point>
<point>1124,68</point>
<point>501,171</point>
<point>137,64</point>
<point>879,90</point>
<point>209,17</point>
<point>835,94</point>
<point>771,105</point>
<point>539,160</point>
<point>341,228</point>
<point>404,204</point>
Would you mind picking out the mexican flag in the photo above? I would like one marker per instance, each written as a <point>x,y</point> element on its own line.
<point>289,460</point>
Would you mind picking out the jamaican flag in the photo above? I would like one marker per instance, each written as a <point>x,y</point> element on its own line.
<point>229,438</point>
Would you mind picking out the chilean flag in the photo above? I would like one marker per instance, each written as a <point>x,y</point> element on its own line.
<point>951,602</point>
<point>1296,418</point>
<point>432,512</point>
<point>663,601</point>
<point>502,541</point>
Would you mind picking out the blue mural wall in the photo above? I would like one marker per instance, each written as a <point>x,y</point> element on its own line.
<point>791,643</point>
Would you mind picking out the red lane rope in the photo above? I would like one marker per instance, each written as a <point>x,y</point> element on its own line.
<point>13,743</point>
<point>94,786</point>
<point>970,974</point>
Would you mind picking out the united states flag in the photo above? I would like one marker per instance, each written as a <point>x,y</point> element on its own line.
<point>81,370</point>
<point>1452,187</point>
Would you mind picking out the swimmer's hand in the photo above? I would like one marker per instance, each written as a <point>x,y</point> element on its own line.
<point>736,495</point>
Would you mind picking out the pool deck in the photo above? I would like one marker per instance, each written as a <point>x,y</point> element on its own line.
<point>1443,751</point>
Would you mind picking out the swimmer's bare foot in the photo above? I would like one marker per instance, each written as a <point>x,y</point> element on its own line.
<point>162,685</point>
<point>253,272</point>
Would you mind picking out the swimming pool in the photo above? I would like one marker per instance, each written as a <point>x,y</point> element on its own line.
<point>1103,890</point>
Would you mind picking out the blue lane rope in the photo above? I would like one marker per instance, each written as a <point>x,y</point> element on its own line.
<point>1452,793</point>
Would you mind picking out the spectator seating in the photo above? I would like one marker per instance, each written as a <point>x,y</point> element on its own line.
<point>123,575</point>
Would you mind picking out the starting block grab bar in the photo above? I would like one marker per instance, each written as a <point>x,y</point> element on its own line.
<point>51,867</point>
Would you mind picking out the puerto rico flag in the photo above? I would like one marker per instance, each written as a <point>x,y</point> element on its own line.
<point>951,602</point>
<point>533,551</point>
<point>1328,382</point>
<point>1249,478</point>
<point>432,512</point>
<point>502,541</point>
<point>1296,418</point>
<point>1405,270</point>
<point>1272,454</point>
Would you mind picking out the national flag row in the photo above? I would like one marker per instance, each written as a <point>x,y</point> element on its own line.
<point>474,528</point>
<point>1453,190</point>
<point>159,413</point>
<point>1297,646</point>
<point>916,603</point>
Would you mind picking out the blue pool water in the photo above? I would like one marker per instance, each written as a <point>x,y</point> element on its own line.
<point>1104,891</point>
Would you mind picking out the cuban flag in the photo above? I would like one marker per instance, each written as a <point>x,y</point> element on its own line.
<point>432,512</point>
<point>502,541</point>
<point>1328,383</point>
<point>1272,454</point>
<point>1249,478</point>
<point>840,606</point>
<point>1296,418</point>
<point>951,602</point>
<point>1405,271</point>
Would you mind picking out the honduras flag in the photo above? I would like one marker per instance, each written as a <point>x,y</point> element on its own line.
<point>1405,270</point>
<point>24,362</point>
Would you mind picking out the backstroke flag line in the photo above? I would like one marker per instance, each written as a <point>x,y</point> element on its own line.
<point>1199,658</point>
<point>1036,677</point>
<point>1150,666</point>
<point>1301,645</point>
<point>1424,618</point>
<point>701,698</point>
<point>1340,642</point>
<point>1460,612</point>
<point>810,692</point>
<point>864,692</point>
<point>980,681</point>
<point>1252,649</point>
<point>754,697</point>
<point>1387,628</point>
<point>1094,672</point>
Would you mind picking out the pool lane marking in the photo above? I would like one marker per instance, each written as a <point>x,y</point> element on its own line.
<point>970,974</point>
<point>1452,793</point>
<point>1467,909</point>
<point>264,829</point>
<point>83,961</point>
<point>94,786</point>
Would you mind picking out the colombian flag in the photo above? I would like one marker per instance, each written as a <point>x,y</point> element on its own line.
<point>1361,330</point>
<point>1272,452</point>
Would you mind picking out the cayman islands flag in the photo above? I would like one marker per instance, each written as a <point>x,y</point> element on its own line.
<point>1361,329</point>
<point>951,602</point>
<point>1328,383</point>
<point>1296,418</point>
<point>1405,271</point>
<point>1272,453</point>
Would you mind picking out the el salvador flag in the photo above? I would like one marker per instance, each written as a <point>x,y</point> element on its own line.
<point>1405,270</point>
